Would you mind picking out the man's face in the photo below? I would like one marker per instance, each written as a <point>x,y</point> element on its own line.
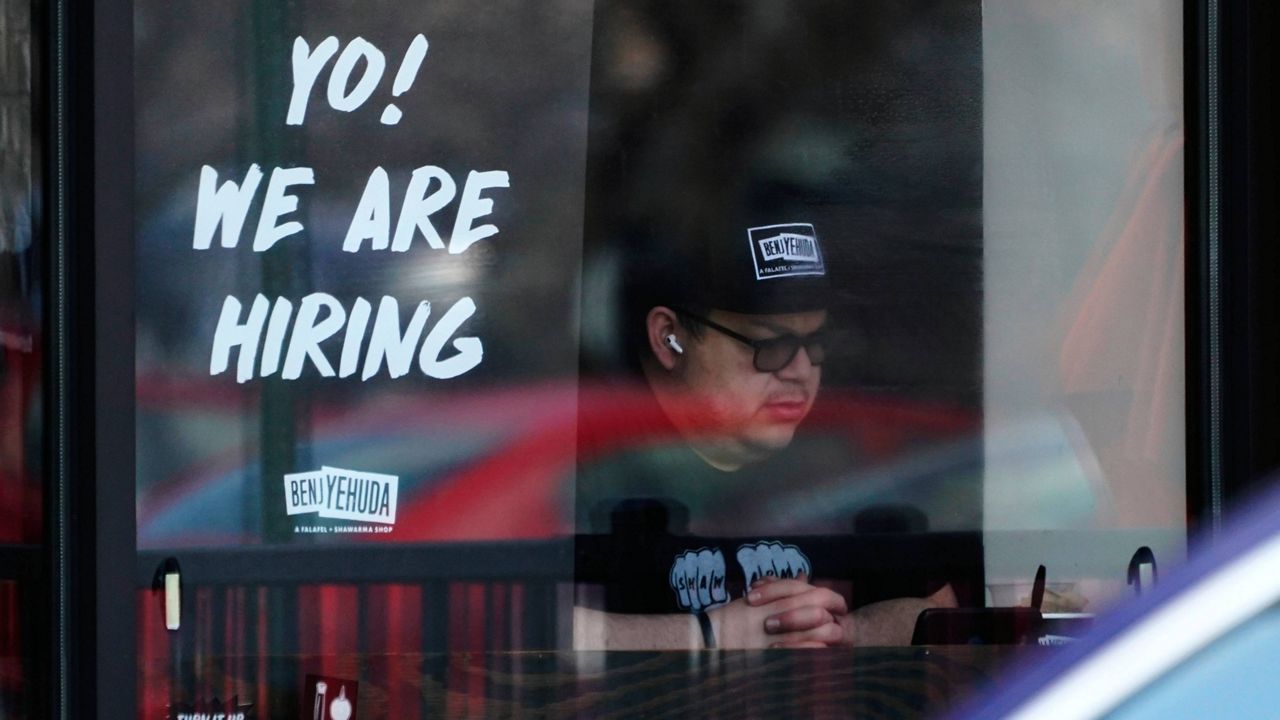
<point>752,413</point>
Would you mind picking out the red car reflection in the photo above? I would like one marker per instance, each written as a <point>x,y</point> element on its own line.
<point>472,467</point>
<point>492,465</point>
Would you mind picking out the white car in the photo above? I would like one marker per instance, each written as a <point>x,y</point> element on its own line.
<point>1204,643</point>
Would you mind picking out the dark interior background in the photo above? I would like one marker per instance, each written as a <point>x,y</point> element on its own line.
<point>869,113</point>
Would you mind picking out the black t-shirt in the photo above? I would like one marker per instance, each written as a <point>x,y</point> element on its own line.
<point>661,531</point>
<point>662,573</point>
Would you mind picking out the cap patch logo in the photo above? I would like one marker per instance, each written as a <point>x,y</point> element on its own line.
<point>785,251</point>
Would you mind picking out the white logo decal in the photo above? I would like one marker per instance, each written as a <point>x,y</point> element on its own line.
<point>697,577</point>
<point>342,494</point>
<point>772,559</point>
<point>785,251</point>
<point>789,246</point>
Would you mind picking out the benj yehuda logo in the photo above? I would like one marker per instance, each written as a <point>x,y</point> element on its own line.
<point>785,251</point>
<point>341,494</point>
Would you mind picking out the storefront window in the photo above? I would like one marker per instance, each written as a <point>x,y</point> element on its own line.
<point>22,369</point>
<point>1083,339</point>
<point>562,325</point>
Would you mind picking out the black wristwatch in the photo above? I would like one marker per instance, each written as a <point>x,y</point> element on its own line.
<point>708,634</point>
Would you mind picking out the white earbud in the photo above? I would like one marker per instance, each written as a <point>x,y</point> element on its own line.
<point>674,345</point>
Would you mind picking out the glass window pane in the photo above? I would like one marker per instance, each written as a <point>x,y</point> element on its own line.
<point>1084,433</point>
<point>757,174</point>
<point>23,445</point>
<point>22,297</point>
<point>405,311</point>
<point>565,324</point>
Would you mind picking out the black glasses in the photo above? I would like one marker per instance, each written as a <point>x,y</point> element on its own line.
<point>775,353</point>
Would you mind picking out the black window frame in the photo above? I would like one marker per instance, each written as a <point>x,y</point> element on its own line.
<point>1232,328</point>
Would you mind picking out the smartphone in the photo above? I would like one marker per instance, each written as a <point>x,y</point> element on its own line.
<point>978,626</point>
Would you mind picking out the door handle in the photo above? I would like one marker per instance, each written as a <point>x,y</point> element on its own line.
<point>168,580</point>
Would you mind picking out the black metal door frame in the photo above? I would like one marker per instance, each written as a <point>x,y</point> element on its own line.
<point>1233,323</point>
<point>93,227</point>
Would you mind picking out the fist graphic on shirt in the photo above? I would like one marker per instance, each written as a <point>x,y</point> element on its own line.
<point>772,559</point>
<point>697,577</point>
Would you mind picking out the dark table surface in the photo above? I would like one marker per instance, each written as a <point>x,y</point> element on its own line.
<point>860,682</point>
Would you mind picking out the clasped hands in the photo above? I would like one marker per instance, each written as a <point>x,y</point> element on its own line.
<point>784,613</point>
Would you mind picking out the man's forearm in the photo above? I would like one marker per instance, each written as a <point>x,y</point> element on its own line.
<point>892,622</point>
<point>597,630</point>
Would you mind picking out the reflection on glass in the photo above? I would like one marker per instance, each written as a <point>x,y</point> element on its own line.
<point>22,361</point>
<point>746,190</point>
<point>626,310</point>
<point>21,289</point>
<point>1083,318</point>
<point>411,318</point>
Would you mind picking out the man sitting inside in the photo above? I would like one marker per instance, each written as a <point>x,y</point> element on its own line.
<point>731,341</point>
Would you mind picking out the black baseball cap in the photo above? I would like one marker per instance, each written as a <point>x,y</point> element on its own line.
<point>766,256</point>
